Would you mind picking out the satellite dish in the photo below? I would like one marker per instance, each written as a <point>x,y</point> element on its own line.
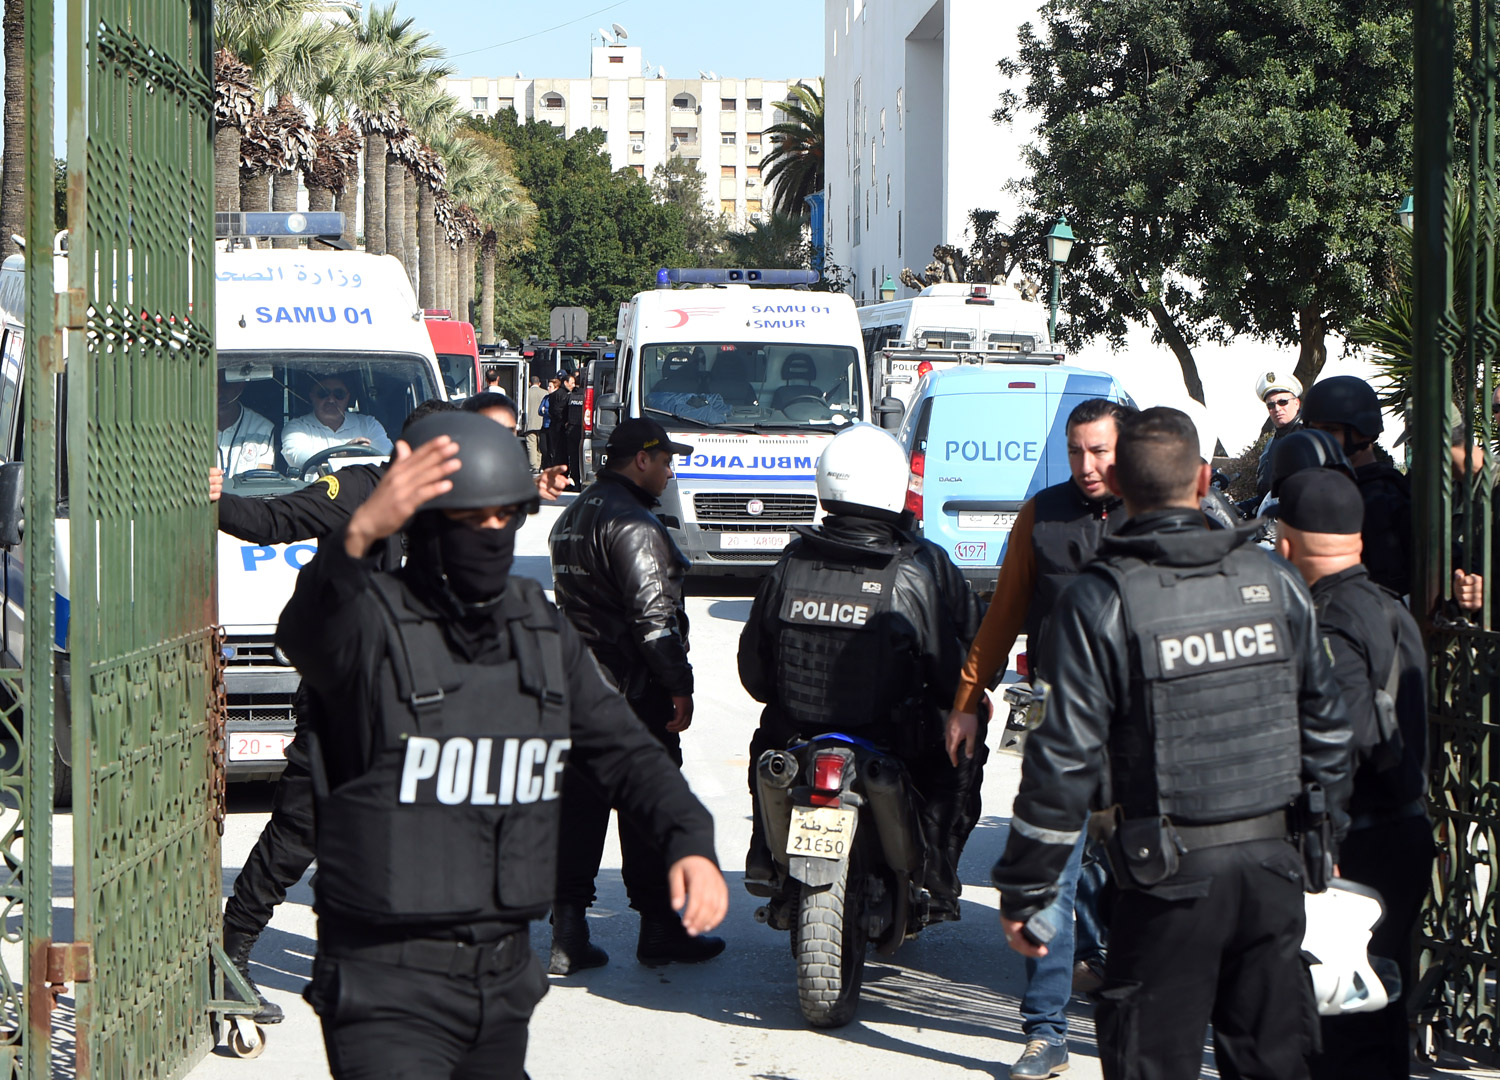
<point>714,75</point>
<point>661,73</point>
<point>609,39</point>
<point>702,74</point>
<point>619,31</point>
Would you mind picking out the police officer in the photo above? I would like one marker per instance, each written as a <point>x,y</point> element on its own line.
<point>1055,536</point>
<point>619,581</point>
<point>284,850</point>
<point>1192,698</point>
<point>559,423</point>
<point>447,698</point>
<point>887,675</point>
<point>1282,395</point>
<point>1348,408</point>
<point>1381,668</point>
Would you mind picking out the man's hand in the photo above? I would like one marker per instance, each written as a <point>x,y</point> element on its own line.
<point>963,727</point>
<point>360,441</point>
<point>1468,590</point>
<point>697,883</point>
<point>682,713</point>
<point>1019,941</point>
<point>413,477</point>
<point>550,483</point>
<point>215,483</point>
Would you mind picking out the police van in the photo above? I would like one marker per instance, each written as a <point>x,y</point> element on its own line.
<point>756,379</point>
<point>945,325</point>
<point>304,338</point>
<point>981,440</point>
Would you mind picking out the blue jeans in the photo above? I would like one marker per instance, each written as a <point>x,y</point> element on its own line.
<point>1049,980</point>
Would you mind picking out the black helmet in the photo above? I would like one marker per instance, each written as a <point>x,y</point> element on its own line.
<point>1307,448</point>
<point>494,469</point>
<point>1344,399</point>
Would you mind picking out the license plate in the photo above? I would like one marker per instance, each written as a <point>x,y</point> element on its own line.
<point>821,832</point>
<point>767,541</point>
<point>258,746</point>
<point>1003,520</point>
<point>970,550</point>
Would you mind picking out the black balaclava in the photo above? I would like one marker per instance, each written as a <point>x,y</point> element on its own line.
<point>467,565</point>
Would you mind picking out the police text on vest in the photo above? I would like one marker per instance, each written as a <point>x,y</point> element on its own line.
<point>1215,647</point>
<point>828,611</point>
<point>477,771</point>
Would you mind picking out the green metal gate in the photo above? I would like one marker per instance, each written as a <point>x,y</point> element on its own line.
<point>1457,330</point>
<point>123,454</point>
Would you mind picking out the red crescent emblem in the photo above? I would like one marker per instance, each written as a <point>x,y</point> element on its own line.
<point>682,318</point>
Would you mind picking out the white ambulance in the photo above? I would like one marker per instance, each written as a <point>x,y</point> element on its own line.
<point>326,352</point>
<point>756,379</point>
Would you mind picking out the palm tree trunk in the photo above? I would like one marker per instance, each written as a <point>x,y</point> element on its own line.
<point>467,272</point>
<point>227,169</point>
<point>255,190</point>
<point>319,199</point>
<point>13,162</point>
<point>427,244</point>
<point>347,201</point>
<point>284,201</point>
<point>410,234</point>
<point>487,294</point>
<point>375,193</point>
<point>442,285</point>
<point>395,208</point>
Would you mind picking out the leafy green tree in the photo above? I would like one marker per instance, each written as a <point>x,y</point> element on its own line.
<point>680,183</point>
<point>1228,168</point>
<point>774,242</point>
<point>795,169</point>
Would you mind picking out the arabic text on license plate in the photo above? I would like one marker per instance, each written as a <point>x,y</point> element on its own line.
<point>258,746</point>
<point>766,541</point>
<point>822,832</point>
<point>987,519</point>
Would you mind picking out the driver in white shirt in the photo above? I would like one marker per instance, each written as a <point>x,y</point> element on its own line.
<point>330,424</point>
<point>245,436</point>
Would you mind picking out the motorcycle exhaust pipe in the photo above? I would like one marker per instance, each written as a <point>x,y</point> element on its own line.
<point>894,821</point>
<point>775,773</point>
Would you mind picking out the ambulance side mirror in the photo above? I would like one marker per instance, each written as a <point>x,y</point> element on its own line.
<point>12,508</point>
<point>889,413</point>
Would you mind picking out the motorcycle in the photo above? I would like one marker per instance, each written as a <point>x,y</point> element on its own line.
<point>841,817</point>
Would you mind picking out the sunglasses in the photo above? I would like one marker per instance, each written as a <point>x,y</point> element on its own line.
<point>321,392</point>
<point>1279,403</point>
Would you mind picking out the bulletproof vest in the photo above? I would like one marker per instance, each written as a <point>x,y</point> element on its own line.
<point>456,818</point>
<point>847,658</point>
<point>1065,536</point>
<point>1213,733</point>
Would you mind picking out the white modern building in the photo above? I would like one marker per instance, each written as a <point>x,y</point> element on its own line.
<point>911,89</point>
<point>717,123</point>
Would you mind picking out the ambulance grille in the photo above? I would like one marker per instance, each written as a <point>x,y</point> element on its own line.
<point>765,558</point>
<point>731,506</point>
<point>251,652</point>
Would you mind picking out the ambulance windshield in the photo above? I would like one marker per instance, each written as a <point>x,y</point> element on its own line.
<point>753,384</point>
<point>279,412</point>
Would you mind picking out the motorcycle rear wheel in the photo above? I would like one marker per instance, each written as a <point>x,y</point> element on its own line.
<point>830,949</point>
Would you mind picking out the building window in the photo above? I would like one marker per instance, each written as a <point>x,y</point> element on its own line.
<point>882,127</point>
<point>684,101</point>
<point>727,139</point>
<point>507,103</point>
<point>867,210</point>
<point>482,103</point>
<point>616,59</point>
<point>727,104</point>
<point>898,234</point>
<point>752,171</point>
<point>727,171</point>
<point>752,206</point>
<point>638,103</point>
<point>686,136</point>
<point>900,120</point>
<point>726,206</point>
<point>552,101</point>
<point>887,189</point>
<point>640,170</point>
<point>753,104</point>
<point>599,104</point>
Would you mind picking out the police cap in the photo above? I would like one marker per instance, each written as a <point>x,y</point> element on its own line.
<point>1344,399</point>
<point>493,467</point>
<point>1322,501</point>
<point>1306,448</point>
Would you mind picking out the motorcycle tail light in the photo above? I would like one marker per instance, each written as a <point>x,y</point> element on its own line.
<point>828,772</point>
<point>1023,666</point>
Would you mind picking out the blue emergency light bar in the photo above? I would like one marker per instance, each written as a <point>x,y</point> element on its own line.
<point>692,276</point>
<point>322,223</point>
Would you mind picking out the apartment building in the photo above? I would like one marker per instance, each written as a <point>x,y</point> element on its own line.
<point>717,123</point>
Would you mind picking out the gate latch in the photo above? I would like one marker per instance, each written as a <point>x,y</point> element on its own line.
<point>69,962</point>
<point>70,309</point>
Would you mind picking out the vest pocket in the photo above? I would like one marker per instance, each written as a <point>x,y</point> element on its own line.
<point>526,864</point>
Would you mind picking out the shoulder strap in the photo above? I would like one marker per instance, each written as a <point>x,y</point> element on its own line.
<point>424,676</point>
<point>536,643</point>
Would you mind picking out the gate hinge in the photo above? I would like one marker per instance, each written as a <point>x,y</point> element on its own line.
<point>70,309</point>
<point>70,962</point>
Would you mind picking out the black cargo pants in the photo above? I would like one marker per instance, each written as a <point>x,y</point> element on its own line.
<point>1220,941</point>
<point>585,823</point>
<point>285,849</point>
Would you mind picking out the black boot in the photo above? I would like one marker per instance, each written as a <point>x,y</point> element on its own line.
<point>571,949</point>
<point>760,868</point>
<point>664,941</point>
<point>238,946</point>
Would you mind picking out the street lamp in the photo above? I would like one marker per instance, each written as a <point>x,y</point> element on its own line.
<point>887,289</point>
<point>1406,213</point>
<point>1059,247</point>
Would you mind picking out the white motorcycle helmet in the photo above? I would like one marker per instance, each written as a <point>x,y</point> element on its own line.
<point>1337,949</point>
<point>863,469</point>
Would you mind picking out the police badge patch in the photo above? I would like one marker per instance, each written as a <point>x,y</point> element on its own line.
<point>331,482</point>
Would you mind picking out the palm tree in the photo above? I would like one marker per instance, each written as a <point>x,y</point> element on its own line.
<point>775,241</point>
<point>234,105</point>
<point>795,168</point>
<point>13,164</point>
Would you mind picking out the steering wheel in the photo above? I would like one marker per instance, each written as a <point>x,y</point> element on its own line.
<point>821,411</point>
<point>323,457</point>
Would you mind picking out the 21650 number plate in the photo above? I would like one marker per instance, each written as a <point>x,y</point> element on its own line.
<point>821,832</point>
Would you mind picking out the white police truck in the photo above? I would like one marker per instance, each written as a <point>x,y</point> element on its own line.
<point>755,376</point>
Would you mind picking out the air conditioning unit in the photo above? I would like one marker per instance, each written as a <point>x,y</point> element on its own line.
<point>637,147</point>
<point>754,148</point>
<point>751,184</point>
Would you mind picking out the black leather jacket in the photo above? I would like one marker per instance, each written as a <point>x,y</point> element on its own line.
<point>1065,773</point>
<point>619,580</point>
